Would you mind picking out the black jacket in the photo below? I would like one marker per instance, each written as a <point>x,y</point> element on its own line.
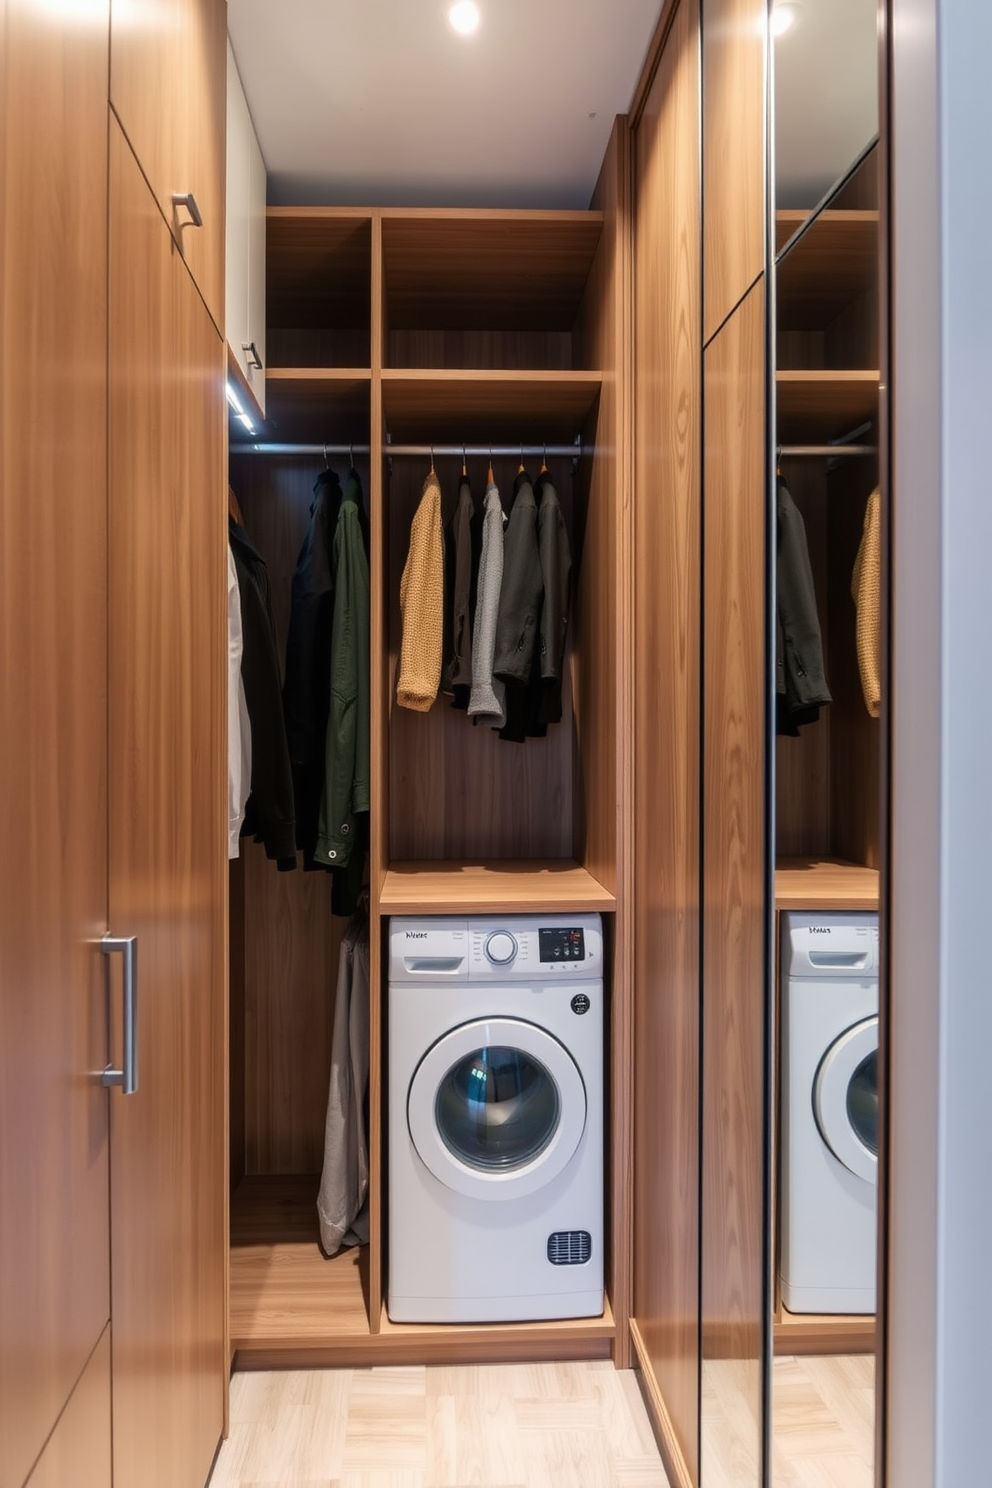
<point>800,685</point>
<point>462,548</point>
<point>269,812</point>
<point>306,690</point>
<point>556,569</point>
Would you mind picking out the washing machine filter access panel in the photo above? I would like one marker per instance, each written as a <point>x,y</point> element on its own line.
<point>495,1119</point>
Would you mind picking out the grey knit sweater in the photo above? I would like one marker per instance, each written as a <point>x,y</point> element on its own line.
<point>487,700</point>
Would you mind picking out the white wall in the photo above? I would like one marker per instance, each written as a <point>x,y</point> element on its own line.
<point>940,1277</point>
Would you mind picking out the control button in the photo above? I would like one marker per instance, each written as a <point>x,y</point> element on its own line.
<point>501,947</point>
<point>580,1003</point>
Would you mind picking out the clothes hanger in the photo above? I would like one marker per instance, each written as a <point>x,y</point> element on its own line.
<point>491,479</point>
<point>432,470</point>
<point>464,464</point>
<point>544,462</point>
<point>520,471</point>
<point>234,510</point>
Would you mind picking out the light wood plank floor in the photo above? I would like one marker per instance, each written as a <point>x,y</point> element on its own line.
<point>563,1425</point>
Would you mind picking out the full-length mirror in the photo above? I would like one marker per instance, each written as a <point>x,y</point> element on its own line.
<point>828,828</point>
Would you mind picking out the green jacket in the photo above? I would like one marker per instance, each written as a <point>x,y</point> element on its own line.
<point>346,756</point>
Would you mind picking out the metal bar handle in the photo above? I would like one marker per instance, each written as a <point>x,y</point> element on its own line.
<point>188,200</point>
<point>251,352</point>
<point>127,1077</point>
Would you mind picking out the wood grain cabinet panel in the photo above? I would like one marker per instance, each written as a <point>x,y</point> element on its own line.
<point>167,845</point>
<point>54,1241</point>
<point>78,1451</point>
<point>667,517</point>
<point>733,154</point>
<point>735,904</point>
<point>168,88</point>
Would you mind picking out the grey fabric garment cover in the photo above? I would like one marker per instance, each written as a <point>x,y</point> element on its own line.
<point>342,1204</point>
<point>488,697</point>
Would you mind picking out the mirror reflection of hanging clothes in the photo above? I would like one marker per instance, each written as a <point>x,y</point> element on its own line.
<point>866,589</point>
<point>800,685</point>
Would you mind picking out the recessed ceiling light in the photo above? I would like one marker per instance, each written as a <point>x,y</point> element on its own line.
<point>465,17</point>
<point>784,17</point>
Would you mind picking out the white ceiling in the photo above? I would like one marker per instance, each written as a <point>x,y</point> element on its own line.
<point>362,102</point>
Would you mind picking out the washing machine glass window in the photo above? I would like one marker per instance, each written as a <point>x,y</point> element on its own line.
<point>845,1099</point>
<point>862,1101</point>
<point>497,1108</point>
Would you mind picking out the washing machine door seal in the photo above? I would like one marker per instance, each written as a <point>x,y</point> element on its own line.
<point>496,1108</point>
<point>845,1099</point>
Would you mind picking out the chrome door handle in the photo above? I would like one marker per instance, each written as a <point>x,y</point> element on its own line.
<point>250,351</point>
<point>127,1077</point>
<point>188,200</point>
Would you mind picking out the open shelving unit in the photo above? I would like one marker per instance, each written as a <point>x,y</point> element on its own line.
<point>398,327</point>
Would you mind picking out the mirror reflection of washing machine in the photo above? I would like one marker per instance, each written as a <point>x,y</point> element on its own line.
<point>829,1112</point>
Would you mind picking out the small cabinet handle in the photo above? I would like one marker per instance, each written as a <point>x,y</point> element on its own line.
<point>188,200</point>
<point>127,1077</point>
<point>251,352</point>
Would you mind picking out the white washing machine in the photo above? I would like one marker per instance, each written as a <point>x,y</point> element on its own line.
<point>495,1118</point>
<point>829,1112</point>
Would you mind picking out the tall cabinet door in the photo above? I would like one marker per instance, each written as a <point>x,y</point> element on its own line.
<point>167,845</point>
<point>54,1242</point>
<point>168,85</point>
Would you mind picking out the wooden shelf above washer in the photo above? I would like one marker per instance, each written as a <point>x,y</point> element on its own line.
<point>505,886</point>
<point>809,883</point>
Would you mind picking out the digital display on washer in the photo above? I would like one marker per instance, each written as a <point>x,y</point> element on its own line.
<point>562,945</point>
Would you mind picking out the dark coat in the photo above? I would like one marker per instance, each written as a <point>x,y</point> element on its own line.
<point>269,812</point>
<point>556,569</point>
<point>306,691</point>
<point>800,685</point>
<point>522,589</point>
<point>462,547</point>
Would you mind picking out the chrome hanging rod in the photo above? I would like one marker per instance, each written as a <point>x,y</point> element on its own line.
<point>823,451</point>
<point>416,451</point>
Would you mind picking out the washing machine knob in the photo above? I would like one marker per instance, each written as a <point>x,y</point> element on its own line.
<point>501,947</point>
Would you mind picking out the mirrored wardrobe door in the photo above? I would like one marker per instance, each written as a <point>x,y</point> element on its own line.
<point>827,333</point>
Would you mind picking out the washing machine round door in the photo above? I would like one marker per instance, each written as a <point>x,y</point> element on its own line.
<point>496,1108</point>
<point>845,1099</point>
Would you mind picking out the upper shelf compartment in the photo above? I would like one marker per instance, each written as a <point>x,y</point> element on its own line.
<point>484,289</point>
<point>319,287</point>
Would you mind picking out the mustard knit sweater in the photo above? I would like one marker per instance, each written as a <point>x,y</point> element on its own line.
<point>866,587</point>
<point>422,604</point>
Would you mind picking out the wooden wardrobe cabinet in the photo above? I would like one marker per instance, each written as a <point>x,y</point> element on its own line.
<point>167,876</point>
<point>54,1150</point>
<point>113,1359</point>
<point>168,88</point>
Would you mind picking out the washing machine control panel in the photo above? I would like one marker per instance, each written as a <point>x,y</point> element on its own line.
<point>538,947</point>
